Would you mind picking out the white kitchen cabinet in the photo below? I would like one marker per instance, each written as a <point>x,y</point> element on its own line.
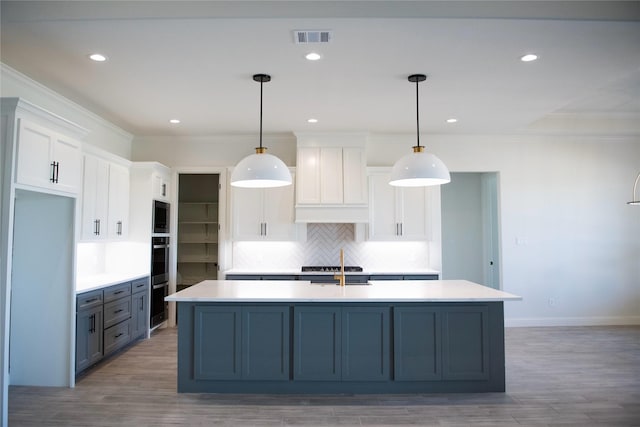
<point>105,199</point>
<point>263,213</point>
<point>331,175</point>
<point>398,213</point>
<point>160,182</point>
<point>48,159</point>
<point>118,214</point>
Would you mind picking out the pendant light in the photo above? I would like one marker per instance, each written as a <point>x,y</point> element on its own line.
<point>419,169</point>
<point>261,170</point>
<point>635,200</point>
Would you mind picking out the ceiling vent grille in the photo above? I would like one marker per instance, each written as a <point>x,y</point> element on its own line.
<point>312,36</point>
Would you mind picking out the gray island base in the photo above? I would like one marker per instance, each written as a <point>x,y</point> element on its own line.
<point>297,337</point>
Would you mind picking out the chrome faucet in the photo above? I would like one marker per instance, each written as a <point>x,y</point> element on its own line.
<point>341,276</point>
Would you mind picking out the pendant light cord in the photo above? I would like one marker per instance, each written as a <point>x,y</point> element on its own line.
<point>261,83</point>
<point>417,114</point>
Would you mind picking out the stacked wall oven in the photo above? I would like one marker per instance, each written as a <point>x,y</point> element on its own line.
<point>159,263</point>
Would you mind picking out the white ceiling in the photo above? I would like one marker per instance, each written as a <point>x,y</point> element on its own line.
<point>194,61</point>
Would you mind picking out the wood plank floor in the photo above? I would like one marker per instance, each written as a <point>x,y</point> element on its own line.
<point>581,376</point>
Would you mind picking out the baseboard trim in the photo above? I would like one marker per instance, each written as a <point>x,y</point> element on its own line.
<point>571,321</point>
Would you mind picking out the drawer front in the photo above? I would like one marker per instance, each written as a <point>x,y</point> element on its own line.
<point>117,311</point>
<point>89,300</point>
<point>140,285</point>
<point>117,291</point>
<point>117,336</point>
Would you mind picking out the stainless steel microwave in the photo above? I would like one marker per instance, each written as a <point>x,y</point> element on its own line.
<point>160,217</point>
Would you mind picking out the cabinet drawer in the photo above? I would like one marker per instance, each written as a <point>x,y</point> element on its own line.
<point>88,300</point>
<point>117,311</point>
<point>117,336</point>
<point>140,285</point>
<point>117,291</point>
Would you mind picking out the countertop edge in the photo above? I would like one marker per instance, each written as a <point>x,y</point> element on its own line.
<point>94,283</point>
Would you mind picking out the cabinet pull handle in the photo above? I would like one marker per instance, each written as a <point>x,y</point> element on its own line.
<point>401,231</point>
<point>118,292</point>
<point>95,227</point>
<point>265,229</point>
<point>55,172</point>
<point>118,311</point>
<point>141,304</point>
<point>91,300</point>
<point>119,228</point>
<point>164,189</point>
<point>92,327</point>
<point>119,335</point>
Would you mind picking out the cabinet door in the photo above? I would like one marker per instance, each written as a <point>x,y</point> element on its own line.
<point>331,175</point>
<point>265,343</point>
<point>365,344</point>
<point>354,161</point>
<point>248,217</point>
<point>89,344</point>
<point>139,316</point>
<point>217,343</point>
<point>317,344</point>
<point>160,186</point>
<point>279,214</point>
<point>118,215</point>
<point>414,214</point>
<point>383,223</point>
<point>68,157</point>
<point>35,147</point>
<point>417,348</point>
<point>465,343</point>
<point>95,198</point>
<point>308,175</point>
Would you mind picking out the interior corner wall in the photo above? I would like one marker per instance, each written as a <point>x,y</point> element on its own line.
<point>569,242</point>
<point>102,133</point>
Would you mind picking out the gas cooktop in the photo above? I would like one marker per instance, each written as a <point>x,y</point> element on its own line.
<point>330,268</point>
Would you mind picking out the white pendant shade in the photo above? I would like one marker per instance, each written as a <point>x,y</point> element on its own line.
<point>635,200</point>
<point>260,170</point>
<point>419,169</point>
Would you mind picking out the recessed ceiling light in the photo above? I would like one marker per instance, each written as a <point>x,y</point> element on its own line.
<point>97,57</point>
<point>313,56</point>
<point>452,120</point>
<point>312,120</point>
<point>529,57</point>
<point>174,121</point>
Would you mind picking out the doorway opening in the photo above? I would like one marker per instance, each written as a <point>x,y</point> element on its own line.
<point>198,226</point>
<point>471,228</point>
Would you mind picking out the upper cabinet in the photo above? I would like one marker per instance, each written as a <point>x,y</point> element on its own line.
<point>48,159</point>
<point>105,199</point>
<point>149,181</point>
<point>264,214</point>
<point>160,182</point>
<point>331,182</point>
<point>398,213</point>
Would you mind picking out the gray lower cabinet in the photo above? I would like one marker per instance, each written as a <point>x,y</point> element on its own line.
<point>89,343</point>
<point>341,343</point>
<point>109,319</point>
<point>300,347</point>
<point>139,308</point>
<point>241,343</point>
<point>441,344</point>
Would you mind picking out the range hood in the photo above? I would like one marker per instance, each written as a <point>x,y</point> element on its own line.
<point>331,178</point>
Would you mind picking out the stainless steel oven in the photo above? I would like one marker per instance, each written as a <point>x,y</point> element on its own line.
<point>159,279</point>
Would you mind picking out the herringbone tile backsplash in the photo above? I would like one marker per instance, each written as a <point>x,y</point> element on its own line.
<point>322,247</point>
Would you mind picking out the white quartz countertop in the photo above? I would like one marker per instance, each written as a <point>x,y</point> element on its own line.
<point>97,281</point>
<point>304,291</point>
<point>316,273</point>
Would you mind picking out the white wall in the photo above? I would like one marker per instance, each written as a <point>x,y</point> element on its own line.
<point>567,233</point>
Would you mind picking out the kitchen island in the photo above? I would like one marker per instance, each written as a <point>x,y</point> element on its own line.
<point>296,337</point>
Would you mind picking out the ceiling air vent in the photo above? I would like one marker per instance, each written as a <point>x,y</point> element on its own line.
<point>312,36</point>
